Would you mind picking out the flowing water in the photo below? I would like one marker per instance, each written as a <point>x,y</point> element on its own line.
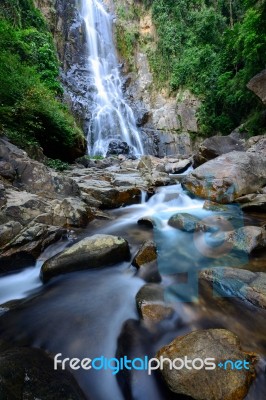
<point>93,313</point>
<point>112,119</point>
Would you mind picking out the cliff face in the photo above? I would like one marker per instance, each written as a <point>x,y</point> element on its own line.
<point>166,120</point>
<point>68,30</point>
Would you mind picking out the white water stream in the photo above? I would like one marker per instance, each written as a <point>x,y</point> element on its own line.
<point>112,118</point>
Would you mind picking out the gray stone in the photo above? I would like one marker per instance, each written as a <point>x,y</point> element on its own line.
<point>228,177</point>
<point>258,85</point>
<point>246,285</point>
<point>202,384</point>
<point>215,146</point>
<point>93,252</point>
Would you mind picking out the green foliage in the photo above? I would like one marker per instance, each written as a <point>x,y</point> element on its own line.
<point>31,111</point>
<point>212,47</point>
<point>57,164</point>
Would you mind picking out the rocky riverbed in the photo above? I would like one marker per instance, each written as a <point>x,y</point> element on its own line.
<point>84,206</point>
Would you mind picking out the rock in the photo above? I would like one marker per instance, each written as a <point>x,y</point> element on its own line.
<point>151,305</point>
<point>258,85</point>
<point>212,206</point>
<point>34,177</point>
<point>228,177</point>
<point>253,201</point>
<point>256,145</point>
<point>150,293</point>
<point>29,374</point>
<point>177,167</point>
<point>117,147</point>
<point>93,252</point>
<point>26,247</point>
<point>146,254</point>
<point>149,222</point>
<point>201,384</point>
<point>7,171</point>
<point>187,222</point>
<point>215,146</point>
<point>149,272</point>
<point>70,212</point>
<point>2,196</point>
<point>155,313</point>
<point>22,206</point>
<point>246,239</point>
<point>246,285</point>
<point>9,231</point>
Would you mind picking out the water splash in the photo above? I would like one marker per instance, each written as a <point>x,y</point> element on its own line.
<point>112,118</point>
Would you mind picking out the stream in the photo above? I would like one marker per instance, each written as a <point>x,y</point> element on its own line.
<point>93,313</point>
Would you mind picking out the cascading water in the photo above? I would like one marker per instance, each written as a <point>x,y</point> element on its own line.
<point>111,117</point>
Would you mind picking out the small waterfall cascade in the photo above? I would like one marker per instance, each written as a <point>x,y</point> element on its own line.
<point>111,117</point>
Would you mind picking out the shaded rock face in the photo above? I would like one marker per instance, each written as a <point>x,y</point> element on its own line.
<point>201,384</point>
<point>214,147</point>
<point>228,177</point>
<point>33,377</point>
<point>246,285</point>
<point>258,85</point>
<point>93,252</point>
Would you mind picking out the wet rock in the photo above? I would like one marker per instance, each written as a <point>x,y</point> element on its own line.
<point>177,167</point>
<point>151,305</point>
<point>155,313</point>
<point>258,85</point>
<point>149,272</point>
<point>29,374</point>
<point>146,254</point>
<point>117,147</point>
<point>187,222</point>
<point>246,239</point>
<point>147,221</point>
<point>93,252</point>
<point>214,147</point>
<point>228,177</point>
<point>9,231</point>
<point>246,285</point>
<point>26,247</point>
<point>201,384</point>
<point>212,206</point>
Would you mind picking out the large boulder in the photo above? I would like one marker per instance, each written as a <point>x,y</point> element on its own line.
<point>228,177</point>
<point>258,85</point>
<point>33,176</point>
<point>22,249</point>
<point>221,383</point>
<point>92,252</point>
<point>29,374</point>
<point>216,146</point>
<point>246,285</point>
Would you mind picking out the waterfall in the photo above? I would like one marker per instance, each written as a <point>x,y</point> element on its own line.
<point>111,117</point>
